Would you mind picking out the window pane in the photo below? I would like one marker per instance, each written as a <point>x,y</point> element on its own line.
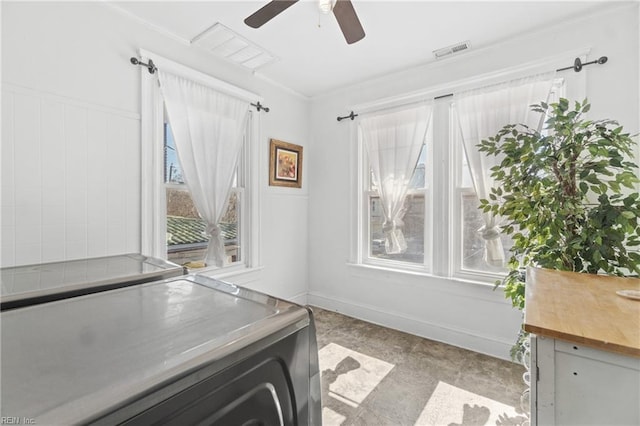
<point>172,169</point>
<point>231,229</point>
<point>418,179</point>
<point>465,179</point>
<point>186,231</point>
<point>472,242</point>
<point>413,230</point>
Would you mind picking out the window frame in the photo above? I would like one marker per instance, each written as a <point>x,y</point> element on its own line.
<point>153,196</point>
<point>238,189</point>
<point>446,262</point>
<point>458,191</point>
<point>365,200</point>
<point>369,259</point>
<point>442,174</point>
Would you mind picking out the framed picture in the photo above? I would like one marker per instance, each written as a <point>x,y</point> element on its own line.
<point>285,164</point>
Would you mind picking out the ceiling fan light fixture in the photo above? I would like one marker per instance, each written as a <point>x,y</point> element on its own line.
<point>326,6</point>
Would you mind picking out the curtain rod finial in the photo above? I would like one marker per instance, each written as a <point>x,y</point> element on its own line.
<point>150,66</point>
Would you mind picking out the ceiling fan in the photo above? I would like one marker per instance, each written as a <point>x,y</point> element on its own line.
<point>342,9</point>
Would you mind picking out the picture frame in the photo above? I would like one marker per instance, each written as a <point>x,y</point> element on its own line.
<point>285,164</point>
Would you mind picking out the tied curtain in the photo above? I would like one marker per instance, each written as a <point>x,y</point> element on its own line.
<point>481,114</point>
<point>393,141</point>
<point>208,129</point>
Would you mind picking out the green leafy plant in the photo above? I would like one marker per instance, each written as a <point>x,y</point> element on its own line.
<point>567,195</point>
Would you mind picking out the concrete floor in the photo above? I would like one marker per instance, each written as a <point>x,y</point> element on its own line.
<point>373,375</point>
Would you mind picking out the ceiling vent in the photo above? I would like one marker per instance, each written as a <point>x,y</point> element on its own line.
<point>224,43</point>
<point>452,50</point>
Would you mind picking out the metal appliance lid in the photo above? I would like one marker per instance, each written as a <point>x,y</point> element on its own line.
<point>72,360</point>
<point>32,281</point>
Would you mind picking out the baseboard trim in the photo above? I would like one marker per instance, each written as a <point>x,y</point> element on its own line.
<point>467,339</point>
<point>300,299</point>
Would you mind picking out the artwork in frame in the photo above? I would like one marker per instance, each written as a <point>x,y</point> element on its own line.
<point>285,164</point>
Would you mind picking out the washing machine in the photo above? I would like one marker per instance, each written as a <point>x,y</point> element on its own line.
<point>45,282</point>
<point>188,350</point>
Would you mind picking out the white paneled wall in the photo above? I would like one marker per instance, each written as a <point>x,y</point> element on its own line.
<point>70,179</point>
<point>77,125</point>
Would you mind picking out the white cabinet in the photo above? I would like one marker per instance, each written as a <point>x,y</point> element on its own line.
<point>585,349</point>
<point>578,385</point>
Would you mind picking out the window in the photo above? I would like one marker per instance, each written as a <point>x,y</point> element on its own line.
<point>468,245</point>
<point>186,231</point>
<point>442,219</point>
<point>171,227</point>
<point>452,243</point>
<point>414,218</point>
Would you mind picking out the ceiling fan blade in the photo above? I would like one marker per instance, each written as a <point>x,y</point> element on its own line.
<point>348,21</point>
<point>268,12</point>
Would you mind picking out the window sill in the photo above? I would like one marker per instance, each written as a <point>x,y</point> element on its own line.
<point>399,280</point>
<point>228,272</point>
<point>369,270</point>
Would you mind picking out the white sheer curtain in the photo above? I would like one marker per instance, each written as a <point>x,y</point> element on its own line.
<point>208,129</point>
<point>393,141</point>
<point>481,114</point>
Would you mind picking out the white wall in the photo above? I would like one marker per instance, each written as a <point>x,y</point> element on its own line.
<point>466,314</point>
<point>71,140</point>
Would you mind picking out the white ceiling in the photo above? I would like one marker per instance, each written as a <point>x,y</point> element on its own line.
<point>313,57</point>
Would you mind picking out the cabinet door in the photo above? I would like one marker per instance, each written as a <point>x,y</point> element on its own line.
<point>542,381</point>
<point>594,387</point>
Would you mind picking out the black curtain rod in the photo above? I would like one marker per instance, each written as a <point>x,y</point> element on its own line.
<point>577,64</point>
<point>259,107</point>
<point>577,67</point>
<point>152,69</point>
<point>351,116</point>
